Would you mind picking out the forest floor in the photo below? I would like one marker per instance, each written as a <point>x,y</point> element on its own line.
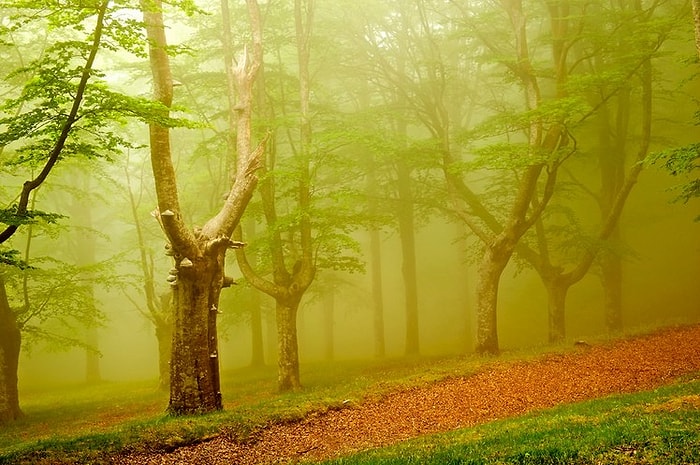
<point>502,390</point>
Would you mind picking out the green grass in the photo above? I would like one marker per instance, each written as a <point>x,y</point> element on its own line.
<point>85,424</point>
<point>656,427</point>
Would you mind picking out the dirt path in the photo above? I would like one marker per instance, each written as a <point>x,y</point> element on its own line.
<point>507,390</point>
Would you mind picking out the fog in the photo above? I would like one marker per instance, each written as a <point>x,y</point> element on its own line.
<point>374,127</point>
<point>660,289</point>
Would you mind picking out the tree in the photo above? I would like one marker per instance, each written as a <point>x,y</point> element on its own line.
<point>47,125</point>
<point>199,254</point>
<point>558,235</point>
<point>10,344</point>
<point>685,160</point>
<point>46,301</point>
<point>288,287</point>
<point>157,303</point>
<point>54,100</point>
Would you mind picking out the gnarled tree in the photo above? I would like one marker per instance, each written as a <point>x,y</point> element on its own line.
<point>199,253</point>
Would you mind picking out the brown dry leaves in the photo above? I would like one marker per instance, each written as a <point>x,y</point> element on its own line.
<point>507,389</point>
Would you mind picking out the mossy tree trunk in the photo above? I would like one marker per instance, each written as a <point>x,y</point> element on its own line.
<point>10,345</point>
<point>194,367</point>
<point>199,253</point>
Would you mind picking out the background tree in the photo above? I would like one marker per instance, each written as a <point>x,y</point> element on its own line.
<point>47,302</point>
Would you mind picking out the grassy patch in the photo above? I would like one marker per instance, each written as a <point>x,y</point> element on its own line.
<point>656,427</point>
<point>80,424</point>
<point>86,424</point>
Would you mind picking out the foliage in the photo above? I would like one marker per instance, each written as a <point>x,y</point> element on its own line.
<point>52,300</point>
<point>47,81</point>
<point>681,161</point>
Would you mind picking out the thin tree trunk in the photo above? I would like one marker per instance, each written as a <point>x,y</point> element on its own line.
<point>329,322</point>
<point>408,254</point>
<point>489,275</point>
<point>611,279</point>
<point>257,358</point>
<point>93,374</point>
<point>377,293</point>
<point>10,346</point>
<point>556,305</point>
<point>164,337</point>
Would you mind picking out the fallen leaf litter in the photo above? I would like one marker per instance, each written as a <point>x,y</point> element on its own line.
<point>504,390</point>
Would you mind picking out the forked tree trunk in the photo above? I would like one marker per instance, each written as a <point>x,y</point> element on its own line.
<point>194,375</point>
<point>288,347</point>
<point>10,346</point>
<point>199,254</point>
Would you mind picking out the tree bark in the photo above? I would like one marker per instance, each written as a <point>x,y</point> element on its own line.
<point>611,279</point>
<point>556,303</point>
<point>408,254</point>
<point>10,346</point>
<point>199,254</point>
<point>377,293</point>
<point>288,347</point>
<point>164,338</point>
<point>329,322</point>
<point>194,375</point>
<point>491,267</point>
<point>257,358</point>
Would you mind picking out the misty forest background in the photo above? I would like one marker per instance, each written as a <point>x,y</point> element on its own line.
<point>416,153</point>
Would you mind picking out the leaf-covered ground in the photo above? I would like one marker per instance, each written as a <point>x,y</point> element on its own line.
<point>506,389</point>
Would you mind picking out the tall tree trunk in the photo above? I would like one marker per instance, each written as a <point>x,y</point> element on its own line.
<point>375,258</point>
<point>556,308</point>
<point>10,346</point>
<point>86,256</point>
<point>408,255</point>
<point>164,338</point>
<point>377,293</point>
<point>257,357</point>
<point>612,175</point>
<point>611,279</point>
<point>288,346</point>
<point>329,322</point>
<point>491,267</point>
<point>158,307</point>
